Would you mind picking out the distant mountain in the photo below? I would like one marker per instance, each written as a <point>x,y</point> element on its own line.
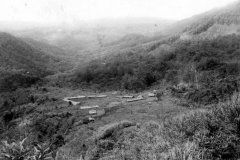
<point>47,48</point>
<point>128,40</point>
<point>80,37</point>
<point>218,22</point>
<point>66,61</point>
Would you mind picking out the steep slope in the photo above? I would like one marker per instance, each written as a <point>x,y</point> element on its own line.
<point>22,64</point>
<point>67,60</point>
<point>217,22</point>
<point>15,54</point>
<point>47,48</point>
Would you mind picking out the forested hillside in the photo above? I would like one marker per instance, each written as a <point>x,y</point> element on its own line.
<point>208,64</point>
<point>22,65</point>
<point>201,52</point>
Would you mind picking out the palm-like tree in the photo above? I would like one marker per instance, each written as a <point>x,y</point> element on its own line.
<point>42,152</point>
<point>14,151</point>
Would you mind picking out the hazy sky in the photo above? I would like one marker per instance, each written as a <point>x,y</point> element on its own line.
<point>72,10</point>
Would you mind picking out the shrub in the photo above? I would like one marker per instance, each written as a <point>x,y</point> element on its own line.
<point>8,117</point>
<point>186,151</point>
<point>216,85</point>
<point>133,83</point>
<point>15,81</point>
<point>51,128</point>
<point>42,152</point>
<point>159,95</point>
<point>20,151</point>
<point>208,64</point>
<point>216,132</point>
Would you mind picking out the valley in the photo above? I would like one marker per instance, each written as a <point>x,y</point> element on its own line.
<point>132,89</point>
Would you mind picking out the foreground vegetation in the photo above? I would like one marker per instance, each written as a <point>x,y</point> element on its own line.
<point>208,133</point>
<point>28,133</point>
<point>200,135</point>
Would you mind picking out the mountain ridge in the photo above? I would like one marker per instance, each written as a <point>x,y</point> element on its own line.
<point>217,22</point>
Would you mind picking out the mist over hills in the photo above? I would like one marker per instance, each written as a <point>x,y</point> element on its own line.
<point>90,34</point>
<point>44,49</point>
<point>184,75</point>
<point>100,37</point>
<point>89,40</point>
<point>83,42</point>
<point>217,22</point>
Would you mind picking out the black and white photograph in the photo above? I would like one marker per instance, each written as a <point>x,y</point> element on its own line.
<point>119,79</point>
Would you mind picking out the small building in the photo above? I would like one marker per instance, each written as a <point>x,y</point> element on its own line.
<point>91,112</point>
